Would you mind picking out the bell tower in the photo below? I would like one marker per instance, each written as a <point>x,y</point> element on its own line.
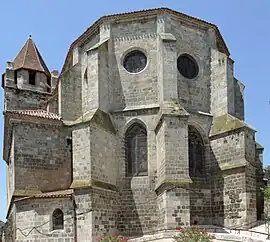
<point>27,82</point>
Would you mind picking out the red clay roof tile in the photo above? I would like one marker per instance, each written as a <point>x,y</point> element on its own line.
<point>37,113</point>
<point>30,58</point>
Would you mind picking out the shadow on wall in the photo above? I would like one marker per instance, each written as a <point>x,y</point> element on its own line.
<point>206,196</point>
<point>128,220</point>
<point>118,101</point>
<point>217,187</point>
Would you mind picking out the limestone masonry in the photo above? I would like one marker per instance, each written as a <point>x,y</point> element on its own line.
<point>142,131</point>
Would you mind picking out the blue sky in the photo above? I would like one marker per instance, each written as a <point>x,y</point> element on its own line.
<point>55,24</point>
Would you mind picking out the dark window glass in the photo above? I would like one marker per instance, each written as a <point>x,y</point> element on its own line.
<point>85,76</point>
<point>136,150</point>
<point>187,66</point>
<point>32,77</point>
<point>135,61</point>
<point>48,84</point>
<point>195,152</point>
<point>57,219</point>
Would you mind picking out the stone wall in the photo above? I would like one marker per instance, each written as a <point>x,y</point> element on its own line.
<point>200,201</point>
<point>52,105</point>
<point>134,89</point>
<point>239,99</point>
<point>228,150</point>
<point>45,167</point>
<point>16,99</point>
<point>81,153</point>
<point>193,94</point>
<point>38,213</point>
<point>97,210</point>
<point>11,171</point>
<point>71,93</point>
<point>222,84</point>
<point>235,186</point>
<point>138,210</point>
<point>102,149</point>
<point>40,81</point>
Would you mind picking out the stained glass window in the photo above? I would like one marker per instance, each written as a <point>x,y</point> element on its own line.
<point>136,150</point>
<point>135,61</point>
<point>195,152</point>
<point>187,66</point>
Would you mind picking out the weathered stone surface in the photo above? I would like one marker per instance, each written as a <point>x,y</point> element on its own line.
<point>89,149</point>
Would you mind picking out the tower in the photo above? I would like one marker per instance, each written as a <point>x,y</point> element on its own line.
<point>27,82</point>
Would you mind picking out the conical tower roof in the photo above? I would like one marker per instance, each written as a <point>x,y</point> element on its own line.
<point>30,58</point>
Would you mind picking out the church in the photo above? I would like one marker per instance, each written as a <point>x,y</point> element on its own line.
<point>141,132</point>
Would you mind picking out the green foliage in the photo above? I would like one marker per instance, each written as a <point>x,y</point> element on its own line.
<point>266,192</point>
<point>267,172</point>
<point>114,238</point>
<point>193,234</point>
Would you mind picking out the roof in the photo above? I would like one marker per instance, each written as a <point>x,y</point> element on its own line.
<point>144,13</point>
<point>55,194</point>
<point>30,58</point>
<point>36,113</point>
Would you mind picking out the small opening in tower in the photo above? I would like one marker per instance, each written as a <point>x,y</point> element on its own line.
<point>48,84</point>
<point>32,77</point>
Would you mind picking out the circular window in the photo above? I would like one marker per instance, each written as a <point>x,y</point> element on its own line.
<point>135,61</point>
<point>187,66</point>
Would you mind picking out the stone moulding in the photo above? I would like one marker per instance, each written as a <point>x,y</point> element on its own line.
<point>167,37</point>
<point>226,123</point>
<point>230,166</point>
<point>96,46</point>
<point>135,37</point>
<point>171,184</point>
<point>170,109</point>
<point>97,116</point>
<point>93,183</point>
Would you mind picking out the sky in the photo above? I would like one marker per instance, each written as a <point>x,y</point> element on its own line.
<point>54,25</point>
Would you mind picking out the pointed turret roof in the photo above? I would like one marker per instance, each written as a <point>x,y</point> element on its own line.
<point>30,58</point>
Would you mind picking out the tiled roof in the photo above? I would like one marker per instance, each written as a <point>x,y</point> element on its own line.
<point>30,58</point>
<point>55,194</point>
<point>37,113</point>
<point>143,13</point>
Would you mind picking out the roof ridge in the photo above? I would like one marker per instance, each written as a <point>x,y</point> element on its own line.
<point>30,59</point>
<point>35,48</point>
<point>93,27</point>
<point>27,44</point>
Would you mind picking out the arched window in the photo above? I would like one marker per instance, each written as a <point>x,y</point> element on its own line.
<point>57,219</point>
<point>136,150</point>
<point>195,152</point>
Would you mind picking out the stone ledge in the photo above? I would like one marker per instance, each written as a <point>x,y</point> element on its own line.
<point>93,183</point>
<point>170,184</point>
<point>167,37</point>
<point>97,116</point>
<point>226,123</point>
<point>171,109</point>
<point>96,46</point>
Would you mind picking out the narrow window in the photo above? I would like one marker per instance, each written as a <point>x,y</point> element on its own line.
<point>32,77</point>
<point>136,151</point>
<point>85,77</point>
<point>48,84</point>
<point>195,152</point>
<point>57,219</point>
